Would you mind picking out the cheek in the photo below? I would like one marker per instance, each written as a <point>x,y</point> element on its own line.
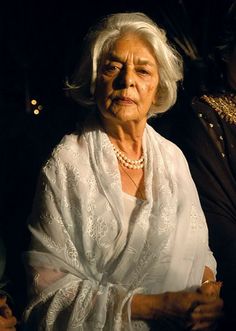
<point>149,90</point>
<point>102,95</point>
<point>104,87</point>
<point>149,85</point>
<point>100,90</point>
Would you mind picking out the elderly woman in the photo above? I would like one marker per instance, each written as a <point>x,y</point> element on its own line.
<point>119,238</point>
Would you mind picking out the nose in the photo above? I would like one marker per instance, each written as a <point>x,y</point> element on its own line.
<point>127,78</point>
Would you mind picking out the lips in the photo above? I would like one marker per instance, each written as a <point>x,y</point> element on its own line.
<point>123,100</point>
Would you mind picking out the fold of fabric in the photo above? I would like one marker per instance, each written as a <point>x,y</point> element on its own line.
<point>86,261</point>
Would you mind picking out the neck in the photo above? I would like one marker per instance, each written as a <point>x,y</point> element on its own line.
<point>126,136</point>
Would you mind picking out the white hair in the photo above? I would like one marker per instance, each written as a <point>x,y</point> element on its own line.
<point>99,40</point>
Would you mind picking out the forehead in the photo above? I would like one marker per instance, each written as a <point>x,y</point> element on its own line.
<point>133,45</point>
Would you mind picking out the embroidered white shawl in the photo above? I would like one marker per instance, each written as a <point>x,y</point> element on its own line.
<point>87,262</point>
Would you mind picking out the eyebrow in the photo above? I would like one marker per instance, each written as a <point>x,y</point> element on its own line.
<point>114,57</point>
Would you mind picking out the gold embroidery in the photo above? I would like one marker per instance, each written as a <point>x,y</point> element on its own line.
<point>225,105</point>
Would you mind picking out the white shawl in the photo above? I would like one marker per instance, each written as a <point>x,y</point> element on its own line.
<point>87,262</point>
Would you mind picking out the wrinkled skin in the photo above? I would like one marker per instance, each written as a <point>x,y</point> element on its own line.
<point>200,310</point>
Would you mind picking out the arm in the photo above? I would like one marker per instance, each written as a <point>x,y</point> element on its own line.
<point>208,275</point>
<point>191,309</point>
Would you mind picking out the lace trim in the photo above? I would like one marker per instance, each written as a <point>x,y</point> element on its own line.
<point>225,106</point>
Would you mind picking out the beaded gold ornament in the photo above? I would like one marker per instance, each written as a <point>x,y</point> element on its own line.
<point>225,105</point>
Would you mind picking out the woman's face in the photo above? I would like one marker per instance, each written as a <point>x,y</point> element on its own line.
<point>127,80</point>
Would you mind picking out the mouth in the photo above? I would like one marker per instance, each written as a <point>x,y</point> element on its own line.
<point>123,100</point>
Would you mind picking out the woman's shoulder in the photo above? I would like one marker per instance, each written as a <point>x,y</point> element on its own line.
<point>67,151</point>
<point>222,105</point>
<point>69,142</point>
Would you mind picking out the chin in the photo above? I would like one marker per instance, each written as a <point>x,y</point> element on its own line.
<point>125,115</point>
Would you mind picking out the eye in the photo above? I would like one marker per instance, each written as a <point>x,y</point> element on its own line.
<point>143,71</point>
<point>111,69</point>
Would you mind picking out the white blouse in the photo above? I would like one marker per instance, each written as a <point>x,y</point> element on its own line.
<point>130,203</point>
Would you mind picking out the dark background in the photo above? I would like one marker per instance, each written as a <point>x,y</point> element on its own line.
<point>40,44</point>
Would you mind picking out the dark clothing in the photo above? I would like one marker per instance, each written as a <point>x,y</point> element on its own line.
<point>209,143</point>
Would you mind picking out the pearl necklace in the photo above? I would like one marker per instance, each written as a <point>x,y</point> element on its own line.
<point>128,163</point>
